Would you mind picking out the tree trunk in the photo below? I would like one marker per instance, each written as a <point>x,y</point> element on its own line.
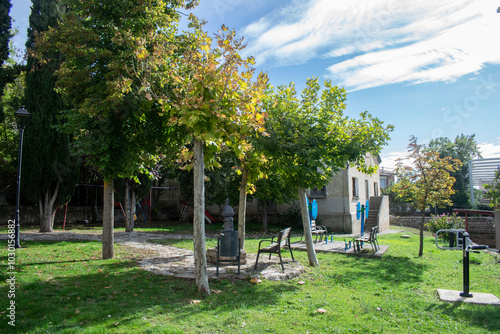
<point>242,208</point>
<point>48,211</point>
<point>129,207</point>
<point>421,247</point>
<point>311,252</point>
<point>264,216</point>
<point>108,219</point>
<point>200,256</point>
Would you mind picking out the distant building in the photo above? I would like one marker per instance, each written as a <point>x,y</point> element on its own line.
<point>387,178</point>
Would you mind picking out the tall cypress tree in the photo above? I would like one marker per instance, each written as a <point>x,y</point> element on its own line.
<point>5,29</point>
<point>50,173</point>
<point>5,36</point>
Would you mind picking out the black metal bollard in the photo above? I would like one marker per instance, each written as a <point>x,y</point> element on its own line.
<point>465,241</point>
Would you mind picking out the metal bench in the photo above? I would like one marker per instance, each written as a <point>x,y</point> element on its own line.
<point>283,240</point>
<point>319,231</point>
<point>371,239</point>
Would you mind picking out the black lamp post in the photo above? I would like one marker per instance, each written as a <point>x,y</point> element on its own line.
<point>22,117</point>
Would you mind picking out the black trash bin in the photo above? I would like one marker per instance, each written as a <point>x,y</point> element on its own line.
<point>228,248</point>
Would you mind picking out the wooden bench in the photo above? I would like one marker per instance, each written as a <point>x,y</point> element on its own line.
<point>282,241</point>
<point>371,239</point>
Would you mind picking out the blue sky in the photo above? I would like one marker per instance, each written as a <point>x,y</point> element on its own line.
<point>431,68</point>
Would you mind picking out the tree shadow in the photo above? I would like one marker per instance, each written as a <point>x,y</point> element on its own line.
<point>389,269</point>
<point>115,294</point>
<point>485,316</point>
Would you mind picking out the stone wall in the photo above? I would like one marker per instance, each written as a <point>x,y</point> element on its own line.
<point>481,229</point>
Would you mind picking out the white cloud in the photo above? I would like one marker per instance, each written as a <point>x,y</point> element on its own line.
<point>490,150</point>
<point>389,159</point>
<point>374,43</point>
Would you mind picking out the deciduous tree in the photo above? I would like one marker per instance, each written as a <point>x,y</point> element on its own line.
<point>464,148</point>
<point>215,99</point>
<point>493,190</point>
<point>311,139</point>
<point>426,180</point>
<point>117,129</point>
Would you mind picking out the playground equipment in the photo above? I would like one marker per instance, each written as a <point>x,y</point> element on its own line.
<point>361,213</point>
<point>458,239</point>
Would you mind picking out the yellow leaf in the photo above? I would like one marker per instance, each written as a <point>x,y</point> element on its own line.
<point>256,280</point>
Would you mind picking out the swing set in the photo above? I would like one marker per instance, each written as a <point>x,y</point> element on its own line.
<point>146,201</point>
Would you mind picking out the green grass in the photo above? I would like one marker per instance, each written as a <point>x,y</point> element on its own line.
<point>64,287</point>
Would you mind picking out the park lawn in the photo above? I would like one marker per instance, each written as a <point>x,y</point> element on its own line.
<point>64,287</point>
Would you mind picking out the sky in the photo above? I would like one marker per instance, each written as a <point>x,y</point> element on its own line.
<point>431,68</point>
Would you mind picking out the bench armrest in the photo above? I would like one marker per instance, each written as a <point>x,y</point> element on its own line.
<point>266,240</point>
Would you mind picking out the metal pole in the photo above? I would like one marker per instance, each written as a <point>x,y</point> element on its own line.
<point>362,221</point>
<point>466,293</point>
<point>16,229</point>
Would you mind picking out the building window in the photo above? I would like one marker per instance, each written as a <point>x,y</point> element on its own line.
<point>382,183</point>
<point>317,193</point>
<point>367,190</point>
<point>355,188</point>
<point>375,189</point>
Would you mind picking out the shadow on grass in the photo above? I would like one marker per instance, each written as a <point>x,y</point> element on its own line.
<point>485,316</point>
<point>389,269</point>
<point>114,295</point>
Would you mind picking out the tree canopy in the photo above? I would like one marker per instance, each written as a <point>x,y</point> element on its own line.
<point>310,138</point>
<point>493,190</point>
<point>114,125</point>
<point>464,148</point>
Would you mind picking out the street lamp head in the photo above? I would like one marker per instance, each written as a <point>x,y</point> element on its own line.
<point>22,116</point>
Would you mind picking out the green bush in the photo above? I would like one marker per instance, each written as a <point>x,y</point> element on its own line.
<point>445,221</point>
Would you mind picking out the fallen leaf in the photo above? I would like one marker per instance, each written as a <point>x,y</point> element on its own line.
<point>216,291</point>
<point>301,282</point>
<point>194,301</point>
<point>256,280</point>
<point>321,310</point>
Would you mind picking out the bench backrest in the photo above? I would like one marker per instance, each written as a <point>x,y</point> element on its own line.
<point>284,236</point>
<point>373,233</point>
<point>313,224</point>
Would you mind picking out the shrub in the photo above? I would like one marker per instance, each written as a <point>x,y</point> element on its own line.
<point>445,221</point>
